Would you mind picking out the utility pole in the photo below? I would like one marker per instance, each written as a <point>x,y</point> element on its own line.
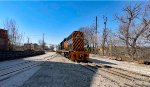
<point>96,24</point>
<point>28,40</point>
<point>96,35</point>
<point>104,34</point>
<point>43,41</point>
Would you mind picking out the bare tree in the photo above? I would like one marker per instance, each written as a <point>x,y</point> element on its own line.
<point>89,37</point>
<point>146,15</point>
<point>51,47</point>
<point>130,31</point>
<point>13,34</point>
<point>42,44</point>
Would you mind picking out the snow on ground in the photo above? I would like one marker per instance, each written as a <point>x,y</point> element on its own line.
<point>139,68</point>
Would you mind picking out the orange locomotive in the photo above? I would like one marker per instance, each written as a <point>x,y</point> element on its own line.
<point>73,47</point>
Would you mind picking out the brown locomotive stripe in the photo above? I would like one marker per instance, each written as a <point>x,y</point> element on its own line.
<point>75,34</point>
<point>80,45</point>
<point>75,44</point>
<point>81,34</point>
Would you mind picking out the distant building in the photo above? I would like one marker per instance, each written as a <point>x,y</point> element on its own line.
<point>3,40</point>
<point>46,48</point>
<point>31,46</point>
<point>19,48</point>
<point>28,46</point>
<point>37,47</point>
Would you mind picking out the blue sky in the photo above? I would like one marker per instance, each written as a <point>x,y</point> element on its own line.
<point>57,20</point>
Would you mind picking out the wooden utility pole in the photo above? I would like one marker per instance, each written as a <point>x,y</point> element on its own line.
<point>96,34</point>
<point>104,34</point>
<point>96,24</point>
<point>43,42</point>
<point>28,40</point>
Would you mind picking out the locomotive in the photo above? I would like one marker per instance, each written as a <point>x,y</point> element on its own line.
<point>73,47</point>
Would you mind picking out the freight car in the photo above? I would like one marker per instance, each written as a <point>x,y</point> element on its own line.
<point>73,47</point>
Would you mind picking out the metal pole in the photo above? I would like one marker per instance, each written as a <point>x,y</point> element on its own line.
<point>96,24</point>
<point>96,35</point>
<point>43,41</point>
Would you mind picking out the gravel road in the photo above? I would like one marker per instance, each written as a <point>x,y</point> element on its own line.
<point>14,73</point>
<point>57,71</point>
<point>61,72</point>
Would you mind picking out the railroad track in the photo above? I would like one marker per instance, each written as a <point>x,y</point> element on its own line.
<point>8,71</point>
<point>119,76</point>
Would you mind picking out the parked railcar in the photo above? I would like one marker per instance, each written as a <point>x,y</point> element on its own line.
<point>73,47</point>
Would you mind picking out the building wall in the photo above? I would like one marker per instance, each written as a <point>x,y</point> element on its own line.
<point>31,46</point>
<point>3,40</point>
<point>28,46</point>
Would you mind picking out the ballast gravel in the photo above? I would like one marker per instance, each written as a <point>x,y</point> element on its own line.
<point>61,72</point>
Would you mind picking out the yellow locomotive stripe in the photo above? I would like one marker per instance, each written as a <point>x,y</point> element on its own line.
<point>75,34</point>
<point>80,46</point>
<point>75,44</point>
<point>78,41</point>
